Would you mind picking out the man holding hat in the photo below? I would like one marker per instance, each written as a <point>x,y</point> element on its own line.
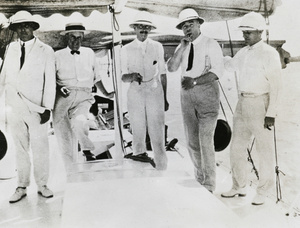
<point>259,69</point>
<point>201,62</point>
<point>76,72</point>
<point>28,76</point>
<point>143,66</point>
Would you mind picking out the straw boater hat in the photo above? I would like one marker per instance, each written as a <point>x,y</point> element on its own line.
<point>187,15</point>
<point>23,17</point>
<point>253,21</point>
<point>143,18</point>
<point>74,27</point>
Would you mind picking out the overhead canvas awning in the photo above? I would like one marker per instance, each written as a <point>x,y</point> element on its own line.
<point>211,10</point>
<point>46,8</point>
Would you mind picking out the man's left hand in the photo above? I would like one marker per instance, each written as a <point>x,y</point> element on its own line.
<point>269,122</point>
<point>187,83</point>
<point>166,105</point>
<point>110,95</point>
<point>45,116</point>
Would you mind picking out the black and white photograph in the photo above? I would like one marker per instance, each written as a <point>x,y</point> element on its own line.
<point>149,114</point>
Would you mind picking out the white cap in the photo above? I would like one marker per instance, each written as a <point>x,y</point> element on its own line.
<point>74,27</point>
<point>23,17</point>
<point>143,18</point>
<point>187,15</point>
<point>253,21</point>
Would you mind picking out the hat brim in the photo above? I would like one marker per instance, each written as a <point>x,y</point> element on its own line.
<point>247,28</point>
<point>179,25</point>
<point>13,26</point>
<point>68,31</point>
<point>142,23</point>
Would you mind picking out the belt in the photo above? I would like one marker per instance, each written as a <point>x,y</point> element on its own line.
<point>243,94</point>
<point>86,89</point>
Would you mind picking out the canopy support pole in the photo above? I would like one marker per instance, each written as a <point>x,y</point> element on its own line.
<point>116,53</point>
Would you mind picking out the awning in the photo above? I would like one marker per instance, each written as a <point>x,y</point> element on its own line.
<point>211,10</point>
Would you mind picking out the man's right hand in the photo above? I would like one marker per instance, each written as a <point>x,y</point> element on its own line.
<point>136,77</point>
<point>185,42</point>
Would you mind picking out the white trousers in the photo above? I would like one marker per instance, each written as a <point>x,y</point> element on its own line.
<point>70,116</point>
<point>146,112</point>
<point>248,121</point>
<point>27,133</point>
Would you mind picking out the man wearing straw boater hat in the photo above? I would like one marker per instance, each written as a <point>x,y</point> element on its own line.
<point>259,69</point>
<point>28,75</point>
<point>201,62</point>
<point>143,67</point>
<point>76,72</point>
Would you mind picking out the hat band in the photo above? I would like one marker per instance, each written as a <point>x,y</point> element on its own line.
<point>75,27</point>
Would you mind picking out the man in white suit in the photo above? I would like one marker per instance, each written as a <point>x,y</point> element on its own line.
<point>143,67</point>
<point>28,77</point>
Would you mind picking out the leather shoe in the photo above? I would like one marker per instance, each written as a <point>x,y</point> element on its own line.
<point>89,155</point>
<point>18,195</point>
<point>258,200</point>
<point>241,192</point>
<point>45,191</point>
<point>143,158</point>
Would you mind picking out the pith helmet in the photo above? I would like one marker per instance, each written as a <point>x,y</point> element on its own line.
<point>143,18</point>
<point>253,21</point>
<point>187,15</point>
<point>23,17</point>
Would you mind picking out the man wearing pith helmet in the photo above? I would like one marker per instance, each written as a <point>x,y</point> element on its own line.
<point>201,62</point>
<point>259,70</point>
<point>143,67</point>
<point>28,75</point>
<point>77,71</point>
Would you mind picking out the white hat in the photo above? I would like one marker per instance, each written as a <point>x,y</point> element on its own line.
<point>143,18</point>
<point>23,17</point>
<point>187,15</point>
<point>74,27</point>
<point>253,21</point>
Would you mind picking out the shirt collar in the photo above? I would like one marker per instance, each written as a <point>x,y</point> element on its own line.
<point>140,43</point>
<point>69,49</point>
<point>257,45</point>
<point>198,39</point>
<point>28,43</point>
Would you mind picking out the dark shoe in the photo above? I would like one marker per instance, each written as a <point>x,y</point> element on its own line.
<point>143,158</point>
<point>128,155</point>
<point>89,156</point>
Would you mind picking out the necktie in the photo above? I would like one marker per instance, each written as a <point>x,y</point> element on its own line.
<point>73,52</point>
<point>22,55</point>
<point>191,58</point>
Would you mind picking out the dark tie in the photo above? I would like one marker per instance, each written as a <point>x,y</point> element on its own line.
<point>73,52</point>
<point>191,58</point>
<point>22,55</point>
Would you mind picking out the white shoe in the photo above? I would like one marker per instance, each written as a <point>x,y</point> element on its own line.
<point>18,195</point>
<point>241,192</point>
<point>258,199</point>
<point>45,191</point>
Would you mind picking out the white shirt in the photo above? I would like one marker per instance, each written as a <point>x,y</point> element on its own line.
<point>259,71</point>
<point>77,70</point>
<point>146,58</point>
<point>28,46</point>
<point>207,51</point>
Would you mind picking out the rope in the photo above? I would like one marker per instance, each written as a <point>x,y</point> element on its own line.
<point>251,160</point>
<point>115,26</point>
<point>225,99</point>
<point>277,171</point>
<point>267,20</point>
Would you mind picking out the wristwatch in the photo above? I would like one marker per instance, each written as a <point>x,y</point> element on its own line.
<point>195,82</point>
